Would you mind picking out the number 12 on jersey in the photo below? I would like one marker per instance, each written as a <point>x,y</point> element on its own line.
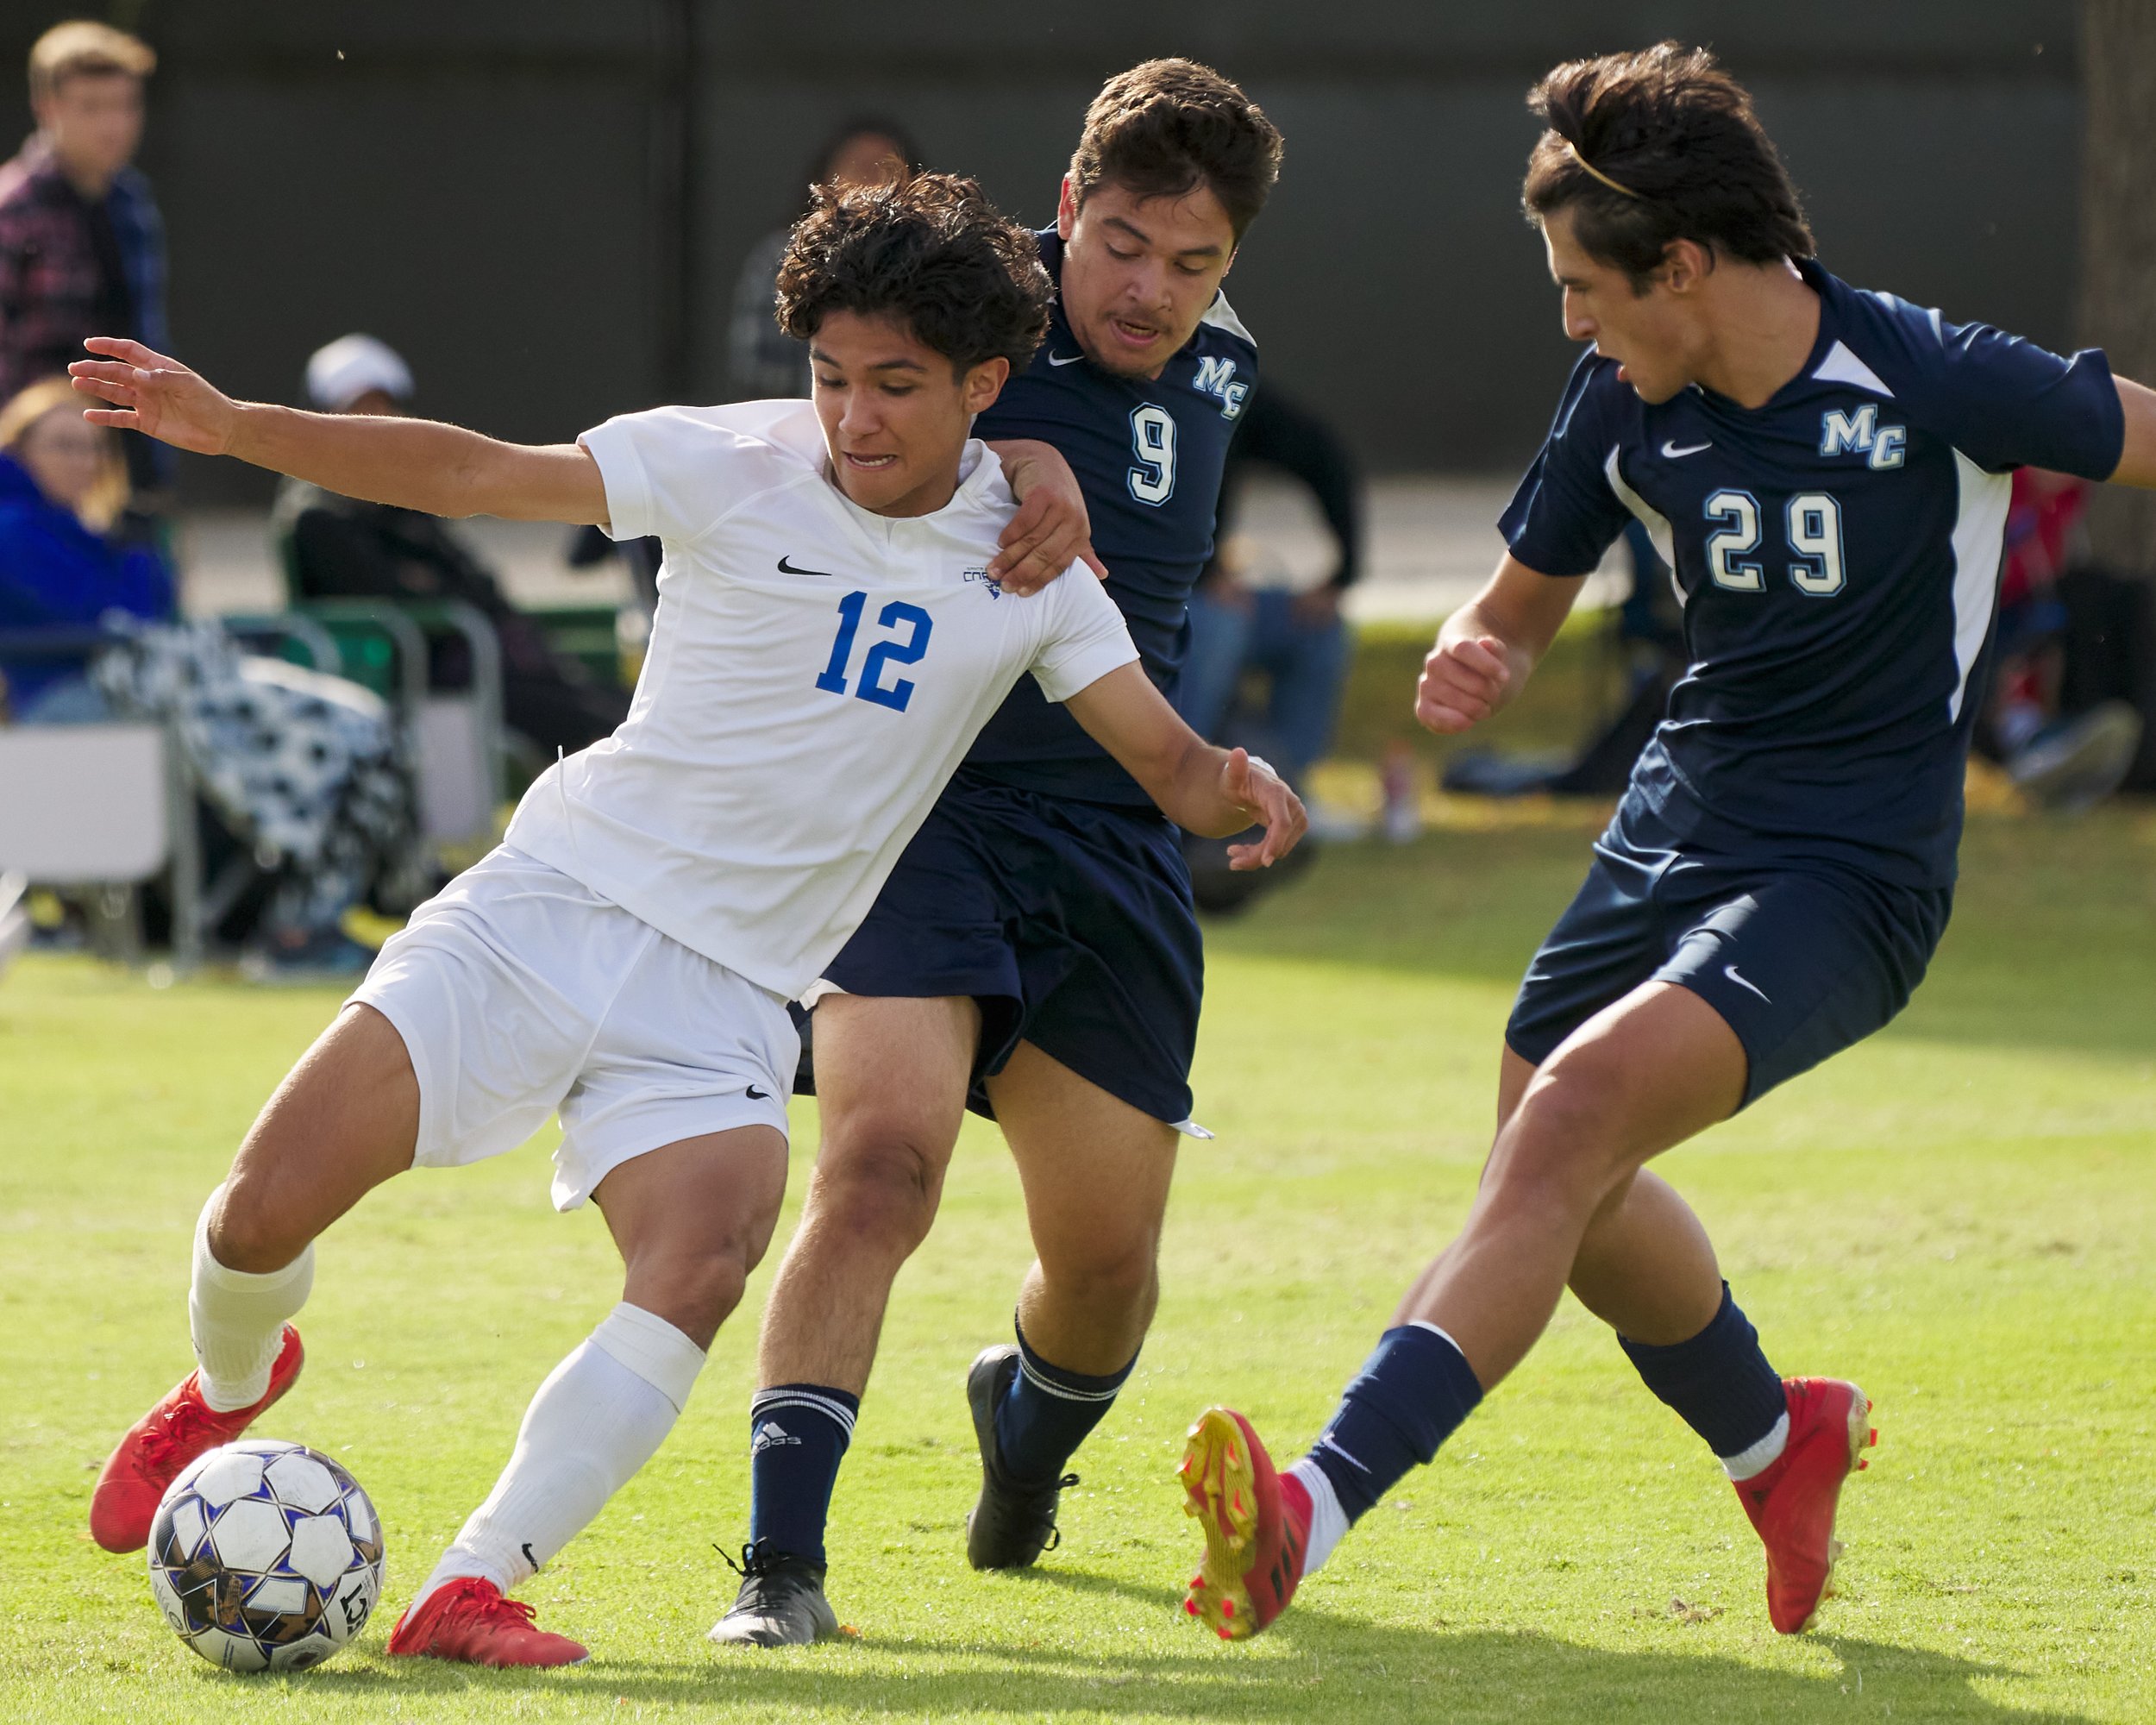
<point>881,656</point>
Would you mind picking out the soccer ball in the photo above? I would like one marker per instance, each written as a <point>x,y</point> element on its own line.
<point>266,1556</point>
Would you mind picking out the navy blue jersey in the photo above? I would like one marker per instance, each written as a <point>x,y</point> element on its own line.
<point>1149,454</point>
<point>1837,552</point>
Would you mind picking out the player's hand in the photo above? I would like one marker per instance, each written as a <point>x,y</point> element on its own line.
<point>1051,529</point>
<point>1463,683</point>
<point>155,395</point>
<point>1262,793</point>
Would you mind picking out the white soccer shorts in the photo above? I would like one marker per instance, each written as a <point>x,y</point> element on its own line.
<point>520,993</point>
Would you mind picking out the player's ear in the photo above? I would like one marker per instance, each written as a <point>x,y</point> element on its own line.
<point>983,383</point>
<point>1685,264</point>
<point>1066,210</point>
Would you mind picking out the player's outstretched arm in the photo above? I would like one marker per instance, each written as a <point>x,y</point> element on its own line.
<point>417,463</point>
<point>1216,792</point>
<point>2137,458</point>
<point>1488,647</point>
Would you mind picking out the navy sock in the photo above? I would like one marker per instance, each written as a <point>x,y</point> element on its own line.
<point>798,1434</point>
<point>1719,1382</point>
<point>1047,1414</point>
<point>1411,1395</point>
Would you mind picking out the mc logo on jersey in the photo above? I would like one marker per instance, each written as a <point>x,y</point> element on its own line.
<point>1217,377</point>
<point>1861,433</point>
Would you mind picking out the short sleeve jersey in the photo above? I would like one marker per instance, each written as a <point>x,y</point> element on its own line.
<point>1149,454</point>
<point>815,675</point>
<point>1837,552</point>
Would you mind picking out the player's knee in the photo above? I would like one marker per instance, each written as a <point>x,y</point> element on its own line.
<point>881,1188</point>
<point>1568,1141</point>
<point>693,1290</point>
<point>248,1231</point>
<point>1105,1275</point>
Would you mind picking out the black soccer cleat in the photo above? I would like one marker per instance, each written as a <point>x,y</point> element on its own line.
<point>1011,1524</point>
<point>781,1603</point>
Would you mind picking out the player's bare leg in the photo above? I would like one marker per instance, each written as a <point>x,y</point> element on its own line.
<point>1096,1173</point>
<point>1646,1073</point>
<point>345,1120</point>
<point>690,1220</point>
<point>891,1075</point>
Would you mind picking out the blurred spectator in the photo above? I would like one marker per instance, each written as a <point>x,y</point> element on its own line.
<point>340,547</point>
<point>307,799</point>
<point>1297,641</point>
<point>62,485</point>
<point>763,361</point>
<point>82,247</point>
<point>2057,758</point>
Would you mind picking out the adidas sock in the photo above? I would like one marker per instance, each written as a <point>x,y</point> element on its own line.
<point>1047,1414</point>
<point>798,1434</point>
<point>598,1417</point>
<point>237,1319</point>
<point>1720,1385</point>
<point>1411,1395</point>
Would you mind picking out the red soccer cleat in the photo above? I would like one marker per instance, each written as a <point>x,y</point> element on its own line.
<point>163,1441</point>
<point>1792,1503</point>
<point>1256,1523</point>
<point>468,1620</point>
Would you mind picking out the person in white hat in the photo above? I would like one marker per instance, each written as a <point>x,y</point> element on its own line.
<point>342,548</point>
<point>357,374</point>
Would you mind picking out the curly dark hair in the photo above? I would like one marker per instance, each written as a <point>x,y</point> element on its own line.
<point>1167,127</point>
<point>930,251</point>
<point>1687,157</point>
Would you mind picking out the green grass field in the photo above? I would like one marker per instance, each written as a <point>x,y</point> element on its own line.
<point>1957,1215</point>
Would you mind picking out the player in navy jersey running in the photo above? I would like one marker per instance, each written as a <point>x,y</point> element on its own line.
<point>1827,470</point>
<point>1037,949</point>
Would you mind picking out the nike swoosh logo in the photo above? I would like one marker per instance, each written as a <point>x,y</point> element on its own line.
<point>1730,971</point>
<point>756,1096</point>
<point>787,568</point>
<point>1669,449</point>
<point>1064,358</point>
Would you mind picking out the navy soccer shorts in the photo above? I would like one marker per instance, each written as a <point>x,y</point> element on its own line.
<point>1801,960</point>
<point>1071,923</point>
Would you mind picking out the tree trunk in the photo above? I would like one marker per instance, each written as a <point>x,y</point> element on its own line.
<point>2118,238</point>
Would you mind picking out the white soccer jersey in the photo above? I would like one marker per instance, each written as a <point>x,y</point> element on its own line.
<point>816,673</point>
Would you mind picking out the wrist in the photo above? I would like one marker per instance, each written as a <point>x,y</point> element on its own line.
<point>244,431</point>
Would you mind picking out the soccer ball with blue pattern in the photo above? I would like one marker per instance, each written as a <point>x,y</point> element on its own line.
<point>266,1556</point>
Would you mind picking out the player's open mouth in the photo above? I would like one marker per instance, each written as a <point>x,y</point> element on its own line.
<point>869,463</point>
<point>1134,335</point>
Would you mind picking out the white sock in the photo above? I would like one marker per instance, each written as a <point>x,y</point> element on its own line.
<point>1328,1521</point>
<point>598,1417</point>
<point>237,1319</point>
<point>1761,1456</point>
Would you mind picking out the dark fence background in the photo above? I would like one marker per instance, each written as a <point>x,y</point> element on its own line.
<point>543,202</point>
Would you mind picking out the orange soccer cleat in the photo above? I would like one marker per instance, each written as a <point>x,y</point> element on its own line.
<point>1256,1523</point>
<point>160,1445</point>
<point>1792,1503</point>
<point>469,1622</point>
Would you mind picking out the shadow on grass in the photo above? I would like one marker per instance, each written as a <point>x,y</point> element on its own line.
<point>1316,1666</point>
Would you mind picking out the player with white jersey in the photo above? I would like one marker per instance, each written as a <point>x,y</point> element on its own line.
<point>1826,472</point>
<point>829,640</point>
